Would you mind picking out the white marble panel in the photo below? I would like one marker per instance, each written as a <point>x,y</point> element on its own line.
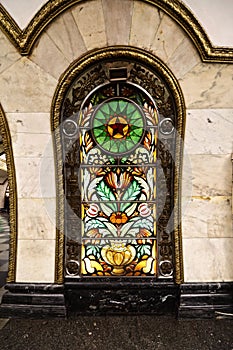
<point>117,27</point>
<point>23,10</point>
<point>209,175</point>
<point>35,177</point>
<point>208,85</point>
<point>145,22</point>
<point>207,217</point>
<point>216,18</point>
<point>209,131</point>
<point>184,58</point>
<point>36,218</point>
<point>8,53</point>
<point>208,260</point>
<point>35,261</point>
<point>48,56</point>
<point>167,39</point>
<point>30,145</point>
<point>66,36</point>
<point>25,87</point>
<point>90,21</point>
<point>29,123</point>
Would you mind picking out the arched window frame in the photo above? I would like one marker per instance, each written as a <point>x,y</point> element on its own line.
<point>154,64</point>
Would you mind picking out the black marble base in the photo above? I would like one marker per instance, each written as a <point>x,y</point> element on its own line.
<point>206,300</point>
<point>33,300</point>
<point>96,297</point>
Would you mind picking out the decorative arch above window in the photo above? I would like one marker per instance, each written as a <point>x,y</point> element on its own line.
<point>118,121</point>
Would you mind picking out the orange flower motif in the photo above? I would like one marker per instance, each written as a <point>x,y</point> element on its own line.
<point>118,218</point>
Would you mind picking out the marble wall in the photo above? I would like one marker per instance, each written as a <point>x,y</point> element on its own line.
<point>27,85</point>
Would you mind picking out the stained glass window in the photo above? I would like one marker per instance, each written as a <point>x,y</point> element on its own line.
<point>118,145</point>
<point>118,136</point>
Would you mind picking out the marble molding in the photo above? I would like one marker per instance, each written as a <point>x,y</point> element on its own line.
<point>208,259</point>
<point>35,261</point>
<point>208,86</point>
<point>35,177</point>
<point>117,30</point>
<point>8,53</point>
<point>25,87</point>
<point>89,18</point>
<point>144,26</point>
<point>44,54</point>
<point>207,217</point>
<point>169,36</point>
<point>209,131</point>
<point>145,22</point>
<point>36,218</point>
<point>184,58</point>
<point>66,36</point>
<point>207,175</point>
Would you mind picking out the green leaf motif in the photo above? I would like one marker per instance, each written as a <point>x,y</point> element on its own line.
<point>144,249</point>
<point>105,194</point>
<point>130,194</point>
<point>93,250</point>
<point>144,223</point>
<point>94,223</point>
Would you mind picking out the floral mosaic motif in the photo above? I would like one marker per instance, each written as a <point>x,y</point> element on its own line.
<point>121,208</point>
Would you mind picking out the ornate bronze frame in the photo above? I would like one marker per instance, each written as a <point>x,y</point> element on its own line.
<point>25,39</point>
<point>6,139</point>
<point>73,71</point>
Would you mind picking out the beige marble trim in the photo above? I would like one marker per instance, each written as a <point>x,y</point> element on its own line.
<point>24,40</point>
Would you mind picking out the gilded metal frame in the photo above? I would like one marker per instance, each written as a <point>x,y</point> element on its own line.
<point>25,39</point>
<point>134,54</point>
<point>6,139</point>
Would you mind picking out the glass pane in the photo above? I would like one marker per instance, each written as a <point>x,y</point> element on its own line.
<point>119,258</point>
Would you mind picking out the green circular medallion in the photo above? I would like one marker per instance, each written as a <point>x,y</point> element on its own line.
<point>118,125</point>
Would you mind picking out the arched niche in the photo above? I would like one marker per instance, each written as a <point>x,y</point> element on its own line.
<point>111,67</point>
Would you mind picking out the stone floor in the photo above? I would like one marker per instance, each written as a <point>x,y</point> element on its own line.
<point>117,333</point>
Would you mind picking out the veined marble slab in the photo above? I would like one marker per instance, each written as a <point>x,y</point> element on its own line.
<point>48,56</point>
<point>117,28</point>
<point>35,123</point>
<point>207,175</point>
<point>208,85</point>
<point>89,18</point>
<point>35,177</point>
<point>8,53</point>
<point>208,259</point>
<point>66,36</point>
<point>34,220</point>
<point>25,87</point>
<point>145,22</point>
<point>209,131</point>
<point>204,217</point>
<point>35,261</point>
